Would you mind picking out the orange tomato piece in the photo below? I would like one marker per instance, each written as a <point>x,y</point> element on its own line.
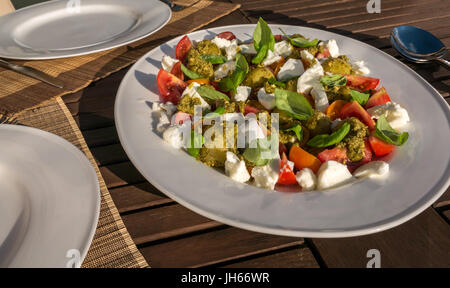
<point>277,66</point>
<point>201,81</point>
<point>334,110</point>
<point>303,159</point>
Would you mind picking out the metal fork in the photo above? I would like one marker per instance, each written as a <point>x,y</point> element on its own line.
<point>6,118</point>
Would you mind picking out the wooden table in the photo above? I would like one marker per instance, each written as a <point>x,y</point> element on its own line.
<point>169,235</point>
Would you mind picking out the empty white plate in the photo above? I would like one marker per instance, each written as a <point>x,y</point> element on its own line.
<point>49,199</point>
<point>65,28</point>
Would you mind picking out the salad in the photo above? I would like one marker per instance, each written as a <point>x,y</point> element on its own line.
<point>277,110</point>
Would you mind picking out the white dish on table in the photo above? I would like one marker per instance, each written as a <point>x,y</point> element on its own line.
<point>58,29</point>
<point>49,199</point>
<point>419,172</point>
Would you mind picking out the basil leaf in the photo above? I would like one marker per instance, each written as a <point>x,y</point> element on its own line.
<point>211,94</point>
<point>263,36</point>
<point>274,81</point>
<point>359,97</point>
<point>255,155</point>
<point>293,103</point>
<point>240,71</point>
<point>300,41</point>
<point>214,59</point>
<point>196,144</point>
<point>262,53</point>
<point>189,73</point>
<point>385,132</point>
<point>219,111</point>
<point>325,140</point>
<point>303,42</point>
<point>297,130</point>
<point>263,40</point>
<point>333,80</point>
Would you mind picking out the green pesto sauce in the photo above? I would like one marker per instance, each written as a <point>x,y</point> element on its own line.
<point>257,77</point>
<point>354,141</point>
<point>337,65</point>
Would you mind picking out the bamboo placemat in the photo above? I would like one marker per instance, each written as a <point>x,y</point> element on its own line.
<point>112,246</point>
<point>41,107</point>
<point>22,92</point>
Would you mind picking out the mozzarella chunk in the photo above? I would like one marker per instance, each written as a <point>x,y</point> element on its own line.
<point>395,115</point>
<point>333,48</point>
<point>283,48</point>
<point>331,174</point>
<point>266,176</point>
<point>247,49</point>
<point>292,68</point>
<point>167,63</point>
<point>235,168</point>
<point>191,91</point>
<point>306,179</point>
<point>360,68</point>
<point>271,58</point>
<point>224,70</point>
<point>372,169</point>
<point>174,136</point>
<point>232,50</point>
<point>163,122</point>
<point>169,107</point>
<point>266,99</point>
<point>309,78</point>
<point>306,55</point>
<point>221,42</point>
<point>242,93</point>
<point>320,97</point>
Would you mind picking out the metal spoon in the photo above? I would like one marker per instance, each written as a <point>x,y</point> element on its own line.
<point>418,45</point>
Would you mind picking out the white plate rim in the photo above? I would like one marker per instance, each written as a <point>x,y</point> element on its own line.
<point>50,57</point>
<point>88,166</point>
<point>384,225</point>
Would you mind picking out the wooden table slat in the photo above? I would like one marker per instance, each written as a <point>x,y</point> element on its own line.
<point>420,242</point>
<point>299,257</point>
<point>214,247</point>
<point>138,196</point>
<point>167,221</point>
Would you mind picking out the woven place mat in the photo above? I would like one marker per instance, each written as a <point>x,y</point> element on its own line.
<point>112,246</point>
<point>41,107</point>
<point>21,92</point>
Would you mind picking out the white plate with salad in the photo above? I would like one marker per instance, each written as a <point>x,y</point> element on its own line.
<point>286,130</point>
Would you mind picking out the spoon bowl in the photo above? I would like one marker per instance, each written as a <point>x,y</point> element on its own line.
<point>418,45</point>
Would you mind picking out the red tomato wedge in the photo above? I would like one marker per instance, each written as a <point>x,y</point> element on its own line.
<point>335,154</point>
<point>250,109</point>
<point>379,147</point>
<point>362,83</point>
<point>367,152</point>
<point>379,98</point>
<point>176,71</point>
<point>169,86</point>
<point>324,54</point>
<point>182,48</point>
<point>282,149</point>
<point>286,175</point>
<point>278,37</point>
<point>353,109</point>
<point>227,35</point>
